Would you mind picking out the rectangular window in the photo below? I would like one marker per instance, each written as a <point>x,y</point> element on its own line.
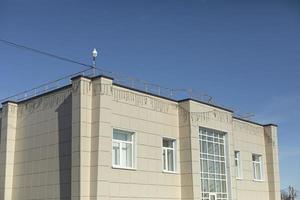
<point>123,149</point>
<point>169,155</point>
<point>238,164</point>
<point>213,164</point>
<point>257,167</point>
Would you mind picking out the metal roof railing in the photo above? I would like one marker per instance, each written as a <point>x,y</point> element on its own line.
<point>124,80</point>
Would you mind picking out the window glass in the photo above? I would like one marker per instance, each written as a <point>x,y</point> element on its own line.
<point>255,157</point>
<point>122,135</point>
<point>212,197</point>
<point>217,150</point>
<point>169,155</point>
<point>204,147</point>
<point>218,168</point>
<point>204,165</point>
<point>222,149</point>
<point>168,143</point>
<point>205,185</point>
<point>237,162</point>
<point>116,153</point>
<point>211,166</point>
<point>127,154</point>
<point>122,149</point>
<point>164,159</point>
<point>171,160</point>
<point>222,168</point>
<point>224,186</point>
<point>212,185</point>
<point>210,148</point>
<point>257,166</point>
<point>218,185</point>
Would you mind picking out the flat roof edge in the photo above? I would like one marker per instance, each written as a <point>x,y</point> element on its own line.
<point>248,121</point>
<point>91,78</point>
<point>271,124</point>
<point>140,91</point>
<point>174,100</point>
<point>79,76</point>
<point>144,92</point>
<point>252,122</point>
<point>102,76</point>
<point>8,101</point>
<point>43,94</point>
<point>205,103</point>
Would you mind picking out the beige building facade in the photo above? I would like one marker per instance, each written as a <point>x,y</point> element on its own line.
<point>95,139</point>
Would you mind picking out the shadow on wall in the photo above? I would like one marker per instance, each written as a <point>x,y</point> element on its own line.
<point>64,112</point>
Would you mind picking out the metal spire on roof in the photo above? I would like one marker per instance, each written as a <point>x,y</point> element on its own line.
<point>94,54</point>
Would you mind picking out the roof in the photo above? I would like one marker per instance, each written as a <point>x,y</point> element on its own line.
<point>252,122</point>
<point>209,104</point>
<point>140,91</point>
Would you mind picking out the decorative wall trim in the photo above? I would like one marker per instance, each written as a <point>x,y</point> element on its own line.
<point>240,126</point>
<point>12,108</point>
<point>212,115</point>
<point>149,102</point>
<point>75,87</point>
<point>86,86</point>
<point>8,109</point>
<point>44,102</point>
<point>133,98</point>
<point>143,101</point>
<point>81,85</point>
<point>102,89</point>
<point>136,99</point>
<point>4,111</point>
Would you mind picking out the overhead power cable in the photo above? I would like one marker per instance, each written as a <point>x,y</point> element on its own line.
<point>44,85</point>
<point>121,77</point>
<point>43,53</point>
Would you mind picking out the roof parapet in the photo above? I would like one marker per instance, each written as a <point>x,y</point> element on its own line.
<point>205,103</point>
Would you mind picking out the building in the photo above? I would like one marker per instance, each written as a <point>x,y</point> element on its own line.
<point>95,139</point>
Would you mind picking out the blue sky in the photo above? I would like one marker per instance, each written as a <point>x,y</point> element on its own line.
<point>243,53</point>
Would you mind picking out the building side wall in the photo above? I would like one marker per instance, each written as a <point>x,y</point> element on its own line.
<point>42,164</point>
<point>150,119</point>
<point>249,139</point>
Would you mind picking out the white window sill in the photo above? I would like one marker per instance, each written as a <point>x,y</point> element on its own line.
<point>124,168</point>
<point>169,172</point>
<point>239,178</point>
<point>258,180</point>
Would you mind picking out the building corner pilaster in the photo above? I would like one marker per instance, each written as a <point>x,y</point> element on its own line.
<point>272,161</point>
<point>7,148</point>
<point>102,134</point>
<point>81,137</point>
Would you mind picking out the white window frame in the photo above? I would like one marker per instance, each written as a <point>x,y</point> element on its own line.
<point>254,163</point>
<point>165,149</point>
<point>121,142</point>
<point>205,136</point>
<point>238,167</point>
